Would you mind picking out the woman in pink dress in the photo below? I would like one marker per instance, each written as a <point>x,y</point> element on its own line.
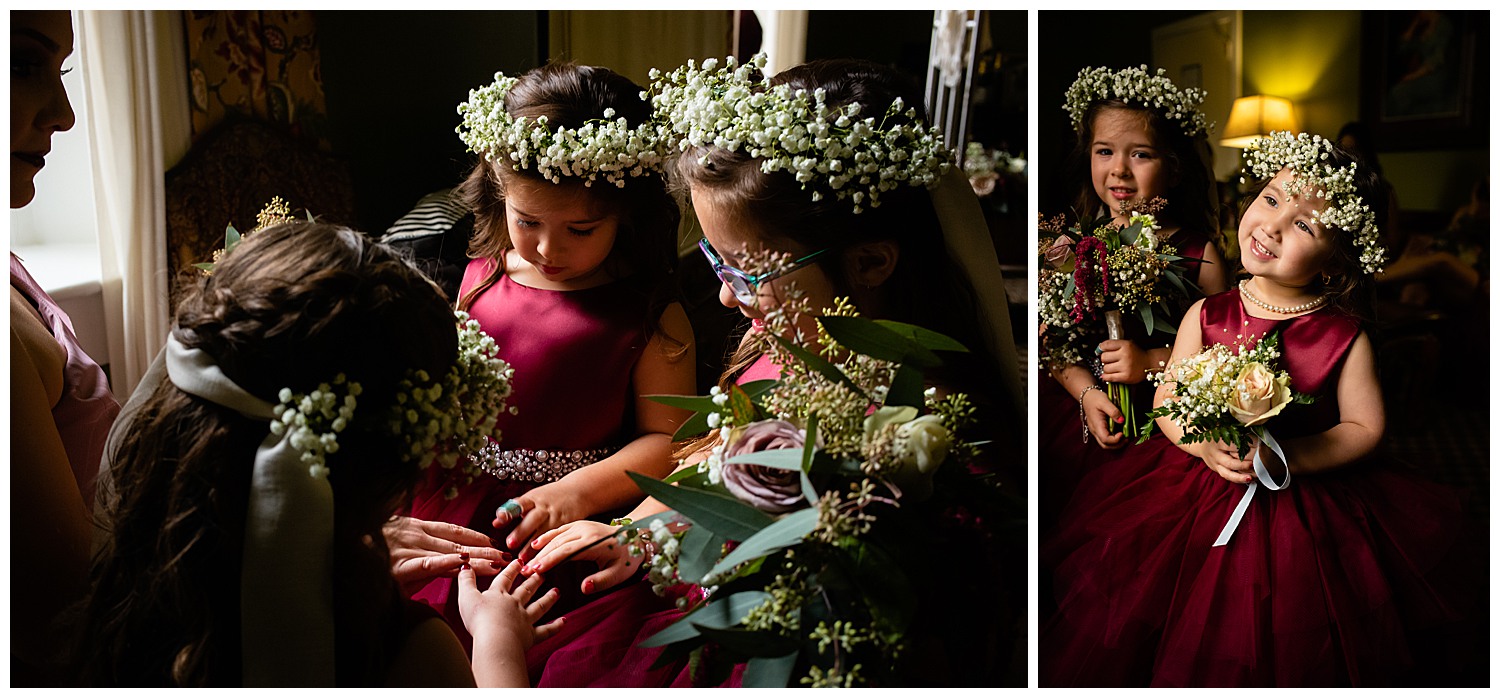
<point>61,405</point>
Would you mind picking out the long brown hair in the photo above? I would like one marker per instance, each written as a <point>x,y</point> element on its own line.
<point>292,306</point>
<point>645,248</point>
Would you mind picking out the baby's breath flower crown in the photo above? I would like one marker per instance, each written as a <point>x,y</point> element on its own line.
<point>832,150</point>
<point>605,148</point>
<point>1136,86</point>
<point>1313,175</point>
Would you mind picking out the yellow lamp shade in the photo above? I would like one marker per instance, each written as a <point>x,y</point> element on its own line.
<point>1256,116</point>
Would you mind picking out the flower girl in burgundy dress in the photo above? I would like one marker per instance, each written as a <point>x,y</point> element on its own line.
<point>1139,137</point>
<point>1344,578</point>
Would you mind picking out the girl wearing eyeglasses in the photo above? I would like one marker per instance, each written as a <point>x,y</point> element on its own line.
<point>774,242</point>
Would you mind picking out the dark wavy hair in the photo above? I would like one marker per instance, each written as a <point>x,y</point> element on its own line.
<point>926,288</point>
<point>292,306</point>
<point>1352,289</point>
<point>1191,201</point>
<point>645,248</point>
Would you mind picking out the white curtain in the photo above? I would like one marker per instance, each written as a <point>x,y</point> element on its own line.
<point>134,70</point>
<point>783,38</point>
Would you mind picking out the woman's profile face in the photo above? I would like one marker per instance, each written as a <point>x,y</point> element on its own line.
<point>39,42</point>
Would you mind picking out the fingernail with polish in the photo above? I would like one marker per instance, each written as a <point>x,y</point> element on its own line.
<point>588,586</point>
<point>463,556</point>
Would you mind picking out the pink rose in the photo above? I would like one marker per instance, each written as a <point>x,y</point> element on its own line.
<point>1060,255</point>
<point>770,490</point>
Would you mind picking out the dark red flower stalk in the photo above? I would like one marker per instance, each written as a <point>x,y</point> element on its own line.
<point>1089,264</point>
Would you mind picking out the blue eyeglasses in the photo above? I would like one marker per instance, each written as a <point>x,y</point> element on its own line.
<point>742,283</point>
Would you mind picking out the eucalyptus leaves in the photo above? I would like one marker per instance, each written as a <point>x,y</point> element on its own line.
<point>808,477</point>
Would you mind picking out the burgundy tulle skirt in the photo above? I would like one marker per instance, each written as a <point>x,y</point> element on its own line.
<point>598,646</point>
<point>1359,577</point>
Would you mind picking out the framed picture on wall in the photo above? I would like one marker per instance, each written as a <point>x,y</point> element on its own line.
<point>1424,78</point>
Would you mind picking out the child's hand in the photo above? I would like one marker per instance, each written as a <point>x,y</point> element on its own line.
<point>424,550</point>
<point>1225,460</point>
<point>1123,361</point>
<point>542,509</point>
<point>505,613</point>
<point>1100,412</point>
<point>576,540</point>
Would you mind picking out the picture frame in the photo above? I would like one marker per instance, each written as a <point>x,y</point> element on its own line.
<point>1424,78</point>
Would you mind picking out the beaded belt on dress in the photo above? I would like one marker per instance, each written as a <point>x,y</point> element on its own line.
<point>539,465</point>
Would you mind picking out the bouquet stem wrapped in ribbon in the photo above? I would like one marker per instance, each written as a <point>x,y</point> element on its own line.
<point>1228,394</point>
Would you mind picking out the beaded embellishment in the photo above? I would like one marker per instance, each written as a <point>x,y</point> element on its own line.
<point>539,465</point>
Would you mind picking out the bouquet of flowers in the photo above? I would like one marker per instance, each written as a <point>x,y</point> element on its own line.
<point>274,213</point>
<point>817,488</point>
<point>985,167</point>
<point>1226,394</point>
<point>1087,282</point>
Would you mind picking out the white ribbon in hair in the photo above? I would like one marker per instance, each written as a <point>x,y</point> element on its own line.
<point>286,576</point>
<point>967,237</point>
<point>1264,476</point>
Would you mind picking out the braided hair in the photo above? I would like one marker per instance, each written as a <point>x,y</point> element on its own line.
<point>292,306</point>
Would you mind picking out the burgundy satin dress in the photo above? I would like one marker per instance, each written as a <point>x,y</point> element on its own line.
<point>574,354</point>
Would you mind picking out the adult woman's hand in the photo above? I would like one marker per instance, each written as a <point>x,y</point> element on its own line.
<point>425,550</point>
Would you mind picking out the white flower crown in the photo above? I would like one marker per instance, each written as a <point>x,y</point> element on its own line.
<point>605,148</point>
<point>1136,86</point>
<point>795,131</point>
<point>437,421</point>
<point>1312,175</point>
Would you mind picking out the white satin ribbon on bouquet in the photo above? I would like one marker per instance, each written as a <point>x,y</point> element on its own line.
<point>1264,476</point>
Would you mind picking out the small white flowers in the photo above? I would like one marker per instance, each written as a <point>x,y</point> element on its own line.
<point>312,422</point>
<point>605,148</point>
<point>435,420</point>
<point>1312,176</point>
<point>832,149</point>
<point>1136,86</point>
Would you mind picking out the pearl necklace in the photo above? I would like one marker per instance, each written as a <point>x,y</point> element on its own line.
<point>1310,305</point>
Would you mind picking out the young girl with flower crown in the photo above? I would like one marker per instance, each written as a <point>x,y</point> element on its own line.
<point>1172,570</point>
<point>574,253</point>
<point>1140,138</point>
<point>249,479</point>
<point>783,229</point>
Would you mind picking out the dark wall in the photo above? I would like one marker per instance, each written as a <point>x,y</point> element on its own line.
<point>897,38</point>
<point>393,81</point>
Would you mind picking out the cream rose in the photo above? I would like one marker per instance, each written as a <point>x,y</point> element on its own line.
<point>923,443</point>
<point>1259,394</point>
